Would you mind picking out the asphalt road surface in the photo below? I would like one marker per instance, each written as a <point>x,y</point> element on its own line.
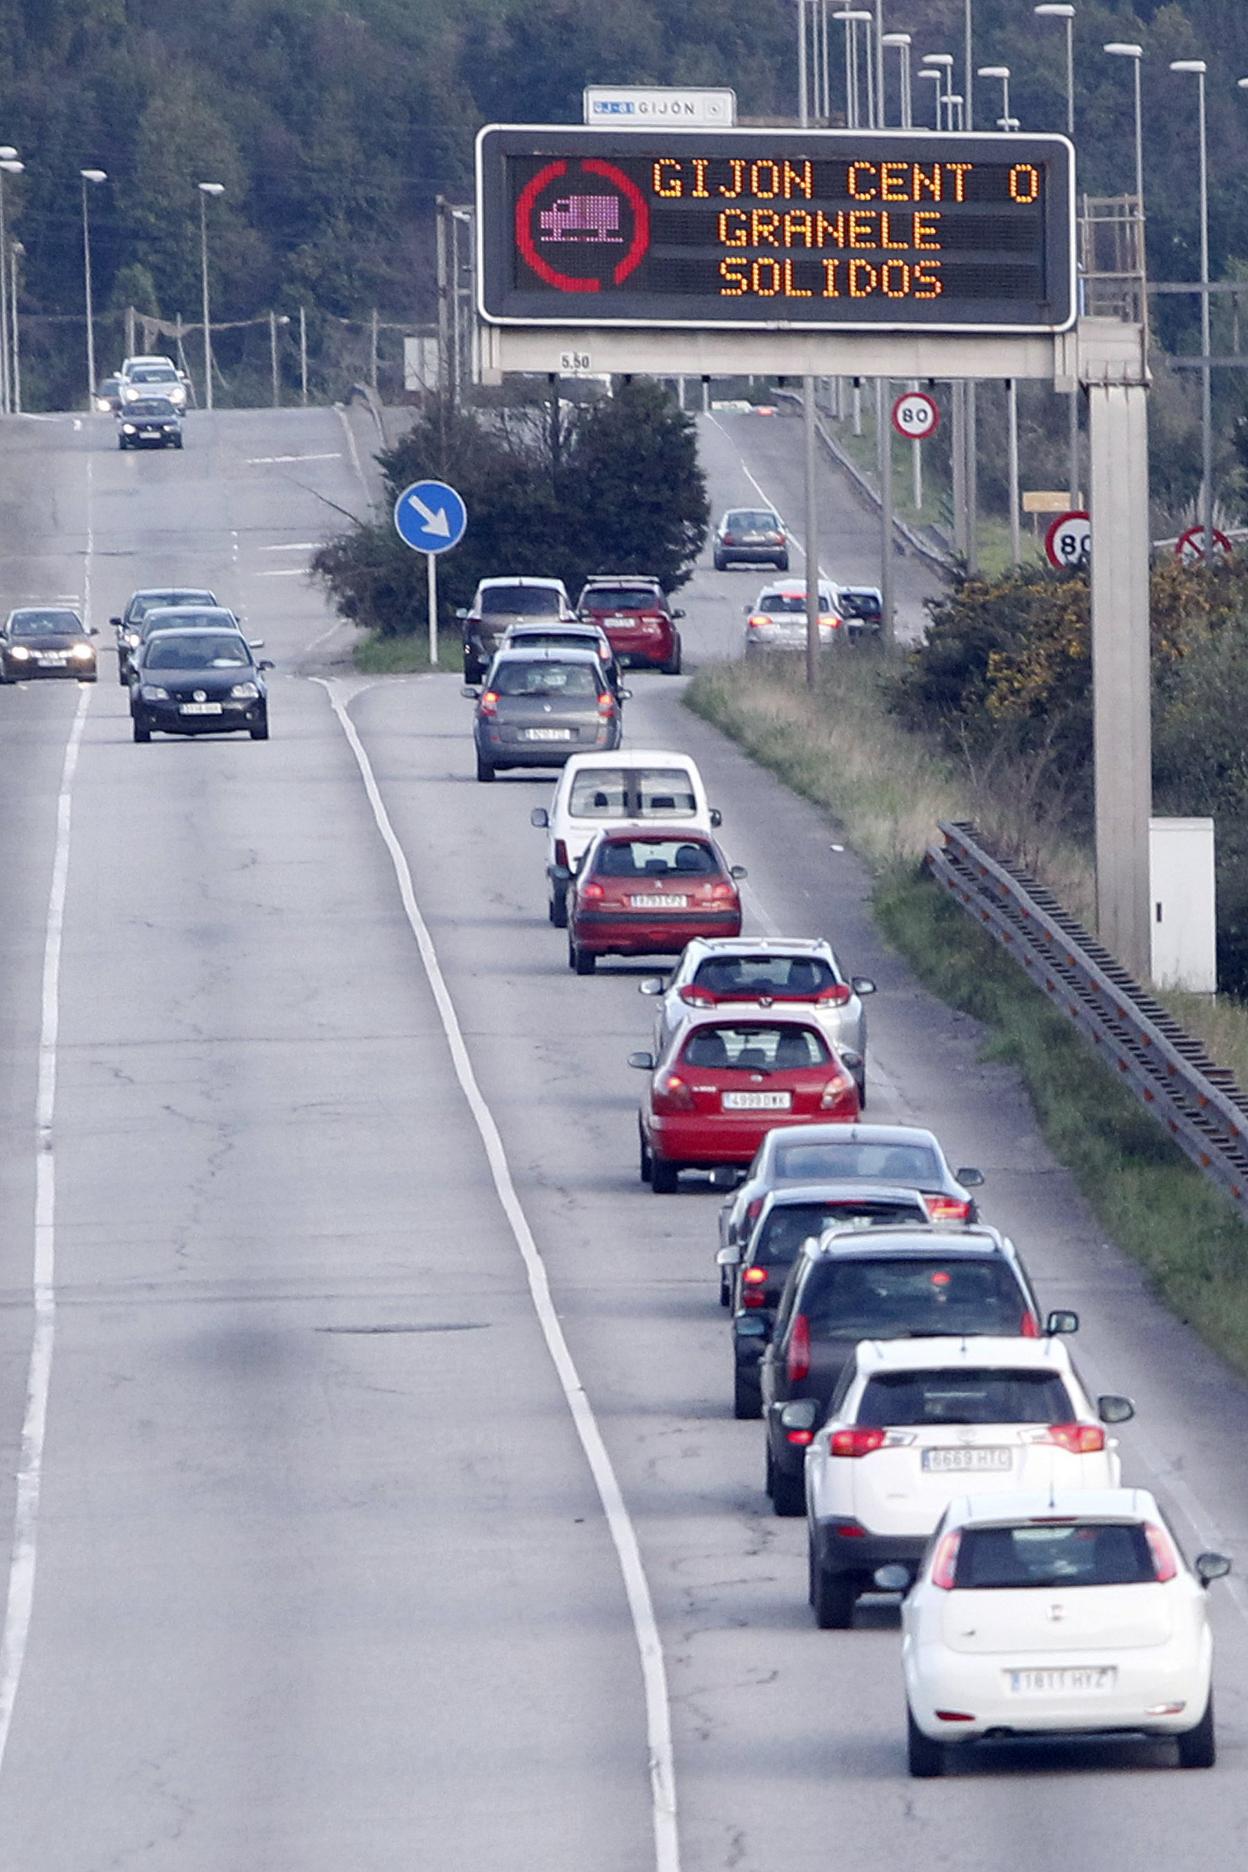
<point>310,1568</point>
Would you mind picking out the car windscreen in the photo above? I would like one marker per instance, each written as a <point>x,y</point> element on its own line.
<point>544,679</point>
<point>751,520</point>
<point>755,1049</point>
<point>520,601</point>
<point>655,858</point>
<point>621,598</point>
<point>185,617</point>
<point>153,374</point>
<point>151,406</point>
<point>203,650</point>
<point>987,1396</point>
<point>45,624</point>
<point>913,1166</point>
<point>1085,1553</point>
<point>143,602</point>
<point>764,975</point>
<point>656,793</point>
<point>867,1297</point>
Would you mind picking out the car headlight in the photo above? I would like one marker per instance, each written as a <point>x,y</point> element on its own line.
<point>132,640</point>
<point>152,692</point>
<point>19,653</point>
<point>82,652</point>
<point>102,403</point>
<point>245,691</point>
<point>128,428</point>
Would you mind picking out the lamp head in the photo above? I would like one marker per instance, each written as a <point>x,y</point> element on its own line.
<point>94,175</point>
<point>1120,48</point>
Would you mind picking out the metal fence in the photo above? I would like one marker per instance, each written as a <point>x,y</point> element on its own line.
<point>1200,1105</point>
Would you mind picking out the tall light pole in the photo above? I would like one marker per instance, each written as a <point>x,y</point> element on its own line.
<point>878,35</point>
<point>1197,68</point>
<point>902,42</point>
<point>803,71</point>
<point>1117,48</point>
<point>955,104</point>
<point>943,63</point>
<point>9,165</point>
<point>1003,73</point>
<point>17,253</point>
<point>205,190</point>
<point>90,178</point>
<point>852,18</point>
<point>968,37</point>
<point>1066,14</point>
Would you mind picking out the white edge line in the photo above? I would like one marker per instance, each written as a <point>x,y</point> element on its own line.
<point>619,1522</point>
<point>758,488</point>
<point>20,1595</point>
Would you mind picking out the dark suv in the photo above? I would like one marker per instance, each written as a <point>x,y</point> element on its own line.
<point>751,536</point>
<point>498,604</point>
<point>791,1217</point>
<point>892,1284</point>
<point>639,622</point>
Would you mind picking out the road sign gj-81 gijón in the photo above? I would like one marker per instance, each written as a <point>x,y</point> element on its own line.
<point>824,229</point>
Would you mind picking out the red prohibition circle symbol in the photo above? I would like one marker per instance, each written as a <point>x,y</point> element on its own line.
<point>591,216</point>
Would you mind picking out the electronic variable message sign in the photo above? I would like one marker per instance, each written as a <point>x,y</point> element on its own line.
<point>819,229</point>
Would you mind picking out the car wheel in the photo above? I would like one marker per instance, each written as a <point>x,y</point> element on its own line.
<point>485,772</point>
<point>926,1758</point>
<point>721,564</point>
<point>832,1595</point>
<point>261,731</point>
<point>747,1400</point>
<point>862,1092</point>
<point>672,666</point>
<point>664,1176</point>
<point>725,1290</point>
<point>782,564</point>
<point>178,442</point>
<point>1198,1747</point>
<point>141,731</point>
<point>559,909</point>
<point>582,961</point>
<point>645,1164</point>
<point>788,1492</point>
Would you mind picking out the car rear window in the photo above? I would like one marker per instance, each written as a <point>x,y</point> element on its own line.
<point>913,1166</point>
<point>965,1397</point>
<point>1085,1553</point>
<point>520,601</point>
<point>788,1225</point>
<point>657,793</point>
<point>751,520</point>
<point>856,604</point>
<point>519,678</point>
<point>764,975</point>
<point>204,650</point>
<point>866,1298</point>
<point>186,617</point>
<point>621,598</point>
<point>756,1049</point>
<point>643,858</point>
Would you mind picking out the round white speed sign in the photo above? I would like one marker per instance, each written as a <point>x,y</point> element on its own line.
<point>915,416</point>
<point>1068,542</point>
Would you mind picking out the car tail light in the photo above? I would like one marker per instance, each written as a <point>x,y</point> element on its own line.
<point>729,539</point>
<point>489,702</point>
<point>1029,1326</point>
<point>945,1564</point>
<point>1165,1560</point>
<point>592,893</point>
<point>836,996</point>
<point>954,1716</point>
<point>672,1094</point>
<point>698,997</point>
<point>606,704</point>
<point>857,1442</point>
<point>840,1094</point>
<point>759,621</point>
<point>948,1209</point>
<point>800,1437</point>
<point>797,1365</point>
<point>752,1211</point>
<point>753,1287</point>
<point>1081,1439</point>
<point>724,892</point>
<point>561,854</point>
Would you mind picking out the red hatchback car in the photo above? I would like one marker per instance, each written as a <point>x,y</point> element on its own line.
<point>639,622</point>
<point>646,891</point>
<point>722,1084</point>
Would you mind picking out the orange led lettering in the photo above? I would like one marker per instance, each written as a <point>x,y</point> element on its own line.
<point>863,279</point>
<point>736,280</point>
<point>861,229</point>
<point>886,233</point>
<point>865,189</point>
<point>830,288</point>
<point>766,224</point>
<point>799,228</point>
<point>927,282</point>
<point>893,182</point>
<point>926,223</point>
<point>895,279</point>
<point>799,179</point>
<point>668,186</point>
<point>766,278</point>
<point>1024,184</point>
<point>737,165</point>
<point>791,288</point>
<point>733,227</point>
<point>960,173</point>
<point>924,181</point>
<point>829,229</point>
<point>700,167</point>
<point>765,180</point>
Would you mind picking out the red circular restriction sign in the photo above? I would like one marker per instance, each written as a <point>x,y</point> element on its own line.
<point>1190,547</point>
<point>915,416</point>
<point>1068,541</point>
<point>582,225</point>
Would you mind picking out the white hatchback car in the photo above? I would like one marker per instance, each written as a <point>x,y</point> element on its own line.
<point>1059,1613</point>
<point>771,971</point>
<point>911,1421</point>
<point>628,786</point>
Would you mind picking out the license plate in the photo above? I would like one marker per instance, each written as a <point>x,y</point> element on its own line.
<point>199,708</point>
<point>659,903</point>
<point>757,1101</point>
<point>751,539</point>
<point>52,658</point>
<point>942,1461</point>
<point>548,734</point>
<point>1072,1680</point>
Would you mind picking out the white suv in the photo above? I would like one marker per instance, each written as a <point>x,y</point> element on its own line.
<point>915,1421</point>
<point>152,376</point>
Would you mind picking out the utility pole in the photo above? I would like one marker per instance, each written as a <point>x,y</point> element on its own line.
<point>273,358</point>
<point>303,354</point>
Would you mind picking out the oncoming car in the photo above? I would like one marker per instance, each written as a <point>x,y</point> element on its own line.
<point>149,422</point>
<point>190,682</point>
<point>46,640</point>
<point>152,376</point>
<point>158,598</point>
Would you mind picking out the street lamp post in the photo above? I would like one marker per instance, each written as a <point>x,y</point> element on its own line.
<point>205,190</point>
<point>902,42</point>
<point>803,73</point>
<point>852,18</point>
<point>1197,68</point>
<point>93,177</point>
<point>1003,73</point>
<point>9,165</point>
<point>955,104</point>
<point>1119,49</point>
<point>1066,14</point>
<point>938,94</point>
<point>17,253</point>
<point>968,36</point>
<point>942,62</point>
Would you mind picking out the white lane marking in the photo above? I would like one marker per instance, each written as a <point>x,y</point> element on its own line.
<point>619,1522</point>
<point>761,491</point>
<point>268,461</point>
<point>354,451</point>
<point>298,546</point>
<point>86,574</point>
<point>19,1600</point>
<point>284,572</point>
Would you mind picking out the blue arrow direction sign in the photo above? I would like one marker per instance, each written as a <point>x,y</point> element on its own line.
<point>430,517</point>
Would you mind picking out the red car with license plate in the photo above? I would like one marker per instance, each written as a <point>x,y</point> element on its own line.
<point>646,891</point>
<point>639,622</point>
<point>723,1083</point>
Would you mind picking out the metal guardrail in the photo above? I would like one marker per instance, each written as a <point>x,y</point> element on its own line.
<point>1200,1105</point>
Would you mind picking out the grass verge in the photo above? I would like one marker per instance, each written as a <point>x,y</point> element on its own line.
<point>887,791</point>
<point>375,655</point>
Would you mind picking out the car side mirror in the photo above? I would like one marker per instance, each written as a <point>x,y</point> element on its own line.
<point>678,614</point>
<point>561,874</point>
<point>257,643</point>
<point>862,984</point>
<point>644,1062</point>
<point>727,1257</point>
<point>1061,1322</point>
<point>893,1578</point>
<point>539,817</point>
<point>750,1326</point>
<point>969,1177</point>
<point>460,612</point>
<point>717,817</point>
<point>624,695</point>
<point>1211,1566</point>
<point>746,609</point>
<point>115,622</point>
<point>801,1414</point>
<point>653,985</point>
<point>727,1177</point>
<point>92,631</point>
<point>266,663</point>
<point>1111,1409</point>
<point>738,871</point>
<point>469,693</point>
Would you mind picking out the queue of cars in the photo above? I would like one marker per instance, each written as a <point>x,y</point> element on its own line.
<point>189,668</point>
<point>631,612</point>
<point>919,1408</point>
<point>148,397</point>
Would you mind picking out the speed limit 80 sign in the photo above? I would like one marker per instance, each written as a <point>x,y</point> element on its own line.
<point>1068,542</point>
<point>915,416</point>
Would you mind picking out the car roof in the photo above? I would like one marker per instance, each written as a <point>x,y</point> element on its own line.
<point>833,1189</point>
<point>632,757</point>
<point>543,653</point>
<point>745,1017</point>
<point>758,507</point>
<point>661,832</point>
<point>520,578</point>
<point>1120,1504</point>
<point>642,580</point>
<point>915,1241</point>
<point>568,626</point>
<point>794,587</point>
<point>754,945</point>
<point>201,630</point>
<point>855,1134</point>
<point>159,611</point>
<point>864,591</point>
<point>937,1354</point>
<point>187,591</point>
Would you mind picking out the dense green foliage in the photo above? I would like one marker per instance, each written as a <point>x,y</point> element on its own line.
<point>613,486</point>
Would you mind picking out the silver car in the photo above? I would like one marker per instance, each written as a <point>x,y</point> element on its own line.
<point>537,708</point>
<point>777,618</point>
<point>771,971</point>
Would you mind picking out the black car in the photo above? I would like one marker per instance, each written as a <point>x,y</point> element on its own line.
<point>192,682</point>
<point>862,607</point>
<point>182,617</point>
<point>46,640</point>
<point>149,422</point>
<point>790,1217</point>
<point>888,1284</point>
<point>154,598</point>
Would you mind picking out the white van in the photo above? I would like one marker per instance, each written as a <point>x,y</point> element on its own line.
<point>628,786</point>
